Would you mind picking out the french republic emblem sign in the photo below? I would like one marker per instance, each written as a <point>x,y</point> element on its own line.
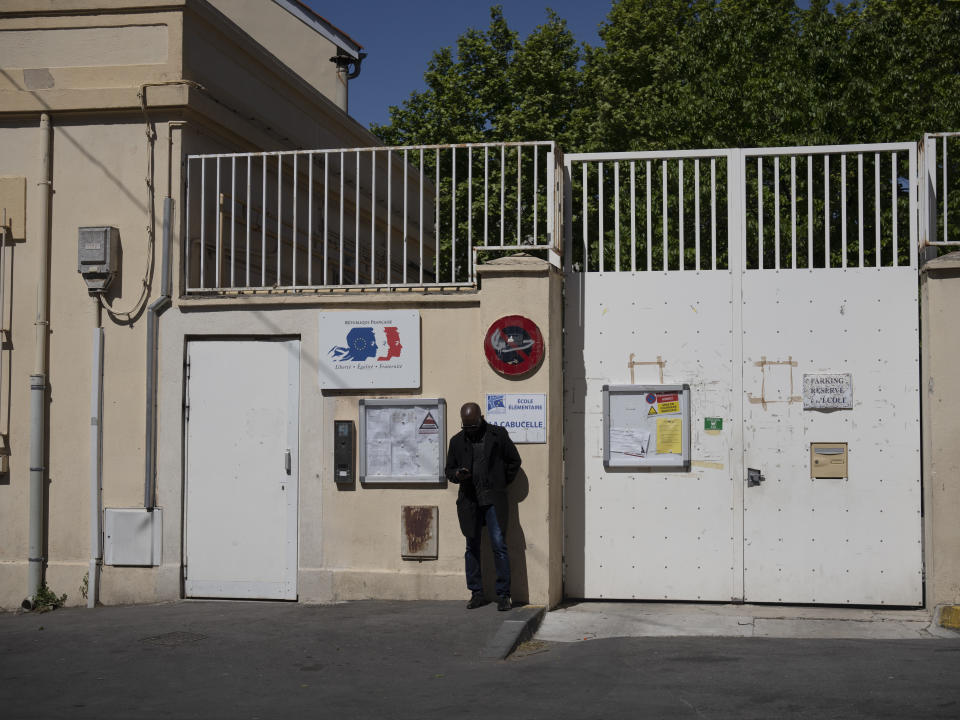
<point>514,345</point>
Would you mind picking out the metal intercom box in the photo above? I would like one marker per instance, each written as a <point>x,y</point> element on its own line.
<point>828,460</point>
<point>344,451</point>
<point>98,256</point>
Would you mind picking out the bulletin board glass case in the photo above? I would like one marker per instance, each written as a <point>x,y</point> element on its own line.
<point>402,440</point>
<point>646,427</point>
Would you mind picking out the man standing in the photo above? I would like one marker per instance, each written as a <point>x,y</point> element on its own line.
<point>483,460</point>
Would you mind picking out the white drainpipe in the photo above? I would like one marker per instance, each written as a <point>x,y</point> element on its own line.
<point>38,380</point>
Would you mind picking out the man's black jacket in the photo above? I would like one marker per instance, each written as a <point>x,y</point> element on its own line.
<point>500,465</point>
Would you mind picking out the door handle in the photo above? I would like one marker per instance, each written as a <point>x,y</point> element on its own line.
<point>754,477</point>
<point>287,460</point>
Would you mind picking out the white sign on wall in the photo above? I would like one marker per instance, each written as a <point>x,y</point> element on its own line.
<point>369,349</point>
<point>828,392</point>
<point>523,415</point>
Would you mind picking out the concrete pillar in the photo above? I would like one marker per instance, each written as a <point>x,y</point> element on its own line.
<point>940,423</point>
<point>531,287</point>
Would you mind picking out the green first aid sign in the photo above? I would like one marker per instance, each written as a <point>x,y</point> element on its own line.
<point>713,423</point>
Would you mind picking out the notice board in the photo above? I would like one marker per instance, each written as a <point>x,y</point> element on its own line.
<point>402,440</point>
<point>646,426</point>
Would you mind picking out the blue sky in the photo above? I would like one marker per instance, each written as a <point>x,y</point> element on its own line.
<point>401,35</point>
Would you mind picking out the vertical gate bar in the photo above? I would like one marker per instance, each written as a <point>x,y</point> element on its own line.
<point>843,212</point>
<point>519,195</point>
<point>793,212</point>
<point>436,227</point>
<point>263,221</point>
<point>470,267</point>
<point>203,216</point>
<point>343,174</point>
<point>893,192</point>
<point>696,210</point>
<point>405,222</point>
<point>680,254</point>
<point>912,174</point>
<point>486,195</point>
<point>876,202</point>
<point>310,221</point>
<point>776,212</point>
<point>585,218</point>
<point>390,214</point>
<point>736,249</point>
<point>356,220</point>
<point>453,215</point>
<point>187,244</point>
<point>633,216</point>
<point>760,213</point>
<point>280,214</point>
<point>373,217</point>
<point>233,220</point>
<point>860,203</point>
<point>420,254</point>
<point>666,264</point>
<point>503,185</point>
<point>218,230</point>
<point>536,178</point>
<point>326,214</point>
<point>649,216</point>
<point>826,210</point>
<point>293,260</point>
<point>247,279</point>
<point>809,211</point>
<point>616,215</point>
<point>945,189</point>
<point>600,211</point>
<point>713,212</point>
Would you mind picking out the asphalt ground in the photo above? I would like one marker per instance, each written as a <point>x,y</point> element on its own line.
<point>389,659</point>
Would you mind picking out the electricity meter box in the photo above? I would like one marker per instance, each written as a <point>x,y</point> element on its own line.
<point>98,256</point>
<point>646,427</point>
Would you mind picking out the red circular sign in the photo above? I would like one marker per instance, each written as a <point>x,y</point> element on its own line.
<point>513,345</point>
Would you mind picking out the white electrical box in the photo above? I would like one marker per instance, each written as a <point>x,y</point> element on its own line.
<point>132,536</point>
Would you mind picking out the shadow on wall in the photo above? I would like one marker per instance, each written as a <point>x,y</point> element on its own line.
<point>516,546</point>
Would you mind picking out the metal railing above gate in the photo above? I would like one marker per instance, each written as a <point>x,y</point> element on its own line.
<point>789,208</point>
<point>940,200</point>
<point>378,217</point>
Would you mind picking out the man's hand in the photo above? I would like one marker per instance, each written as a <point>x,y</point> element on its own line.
<point>461,475</point>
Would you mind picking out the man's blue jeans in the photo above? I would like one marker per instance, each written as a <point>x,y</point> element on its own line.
<point>501,560</point>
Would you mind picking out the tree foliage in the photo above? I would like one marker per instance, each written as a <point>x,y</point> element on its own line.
<point>698,73</point>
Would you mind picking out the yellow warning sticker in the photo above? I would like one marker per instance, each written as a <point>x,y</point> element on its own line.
<point>653,411</point>
<point>668,407</point>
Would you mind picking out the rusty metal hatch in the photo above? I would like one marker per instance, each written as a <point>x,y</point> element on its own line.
<point>418,532</point>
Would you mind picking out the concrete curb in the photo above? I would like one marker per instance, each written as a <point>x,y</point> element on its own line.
<point>521,626</point>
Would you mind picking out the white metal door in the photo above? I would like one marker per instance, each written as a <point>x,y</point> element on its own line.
<point>837,541</point>
<point>784,272</point>
<point>242,471</point>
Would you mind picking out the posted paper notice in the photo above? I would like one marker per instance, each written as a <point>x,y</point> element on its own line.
<point>670,436</point>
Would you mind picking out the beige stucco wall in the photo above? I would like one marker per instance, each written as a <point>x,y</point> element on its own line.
<point>294,43</point>
<point>349,537</point>
<point>101,158</point>
<point>940,386</point>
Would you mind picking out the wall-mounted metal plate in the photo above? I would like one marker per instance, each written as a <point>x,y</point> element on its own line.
<point>418,532</point>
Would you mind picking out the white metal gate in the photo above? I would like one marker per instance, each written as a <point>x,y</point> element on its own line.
<point>739,272</point>
<point>242,471</point>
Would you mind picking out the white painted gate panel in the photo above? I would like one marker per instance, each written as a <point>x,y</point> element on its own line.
<point>833,290</point>
<point>838,541</point>
<point>653,535</point>
<point>242,475</point>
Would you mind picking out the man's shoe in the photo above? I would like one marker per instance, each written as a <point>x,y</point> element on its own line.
<point>503,603</point>
<point>477,600</point>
